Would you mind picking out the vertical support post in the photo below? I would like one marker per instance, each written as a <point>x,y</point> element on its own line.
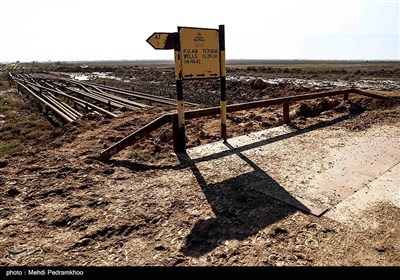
<point>346,96</point>
<point>86,108</point>
<point>286,118</point>
<point>223,80</point>
<point>179,129</point>
<point>179,125</point>
<point>109,106</point>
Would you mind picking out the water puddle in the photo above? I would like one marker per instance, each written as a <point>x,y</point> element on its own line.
<point>360,84</point>
<point>96,75</point>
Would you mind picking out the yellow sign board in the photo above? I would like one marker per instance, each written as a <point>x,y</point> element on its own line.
<point>199,53</point>
<point>161,41</point>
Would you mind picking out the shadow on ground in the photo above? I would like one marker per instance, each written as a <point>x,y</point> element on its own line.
<point>240,209</point>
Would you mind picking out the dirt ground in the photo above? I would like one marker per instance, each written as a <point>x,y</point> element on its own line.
<point>60,205</point>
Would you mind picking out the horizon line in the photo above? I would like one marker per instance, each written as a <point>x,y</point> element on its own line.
<point>227,60</point>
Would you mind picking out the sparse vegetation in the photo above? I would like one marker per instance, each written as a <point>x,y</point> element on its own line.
<point>137,156</point>
<point>318,69</point>
<point>9,148</point>
<point>19,123</point>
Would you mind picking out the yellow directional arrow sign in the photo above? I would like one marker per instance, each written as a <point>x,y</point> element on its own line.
<point>161,41</point>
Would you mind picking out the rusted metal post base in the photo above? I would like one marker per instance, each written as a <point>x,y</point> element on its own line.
<point>179,136</point>
<point>286,118</point>
<point>346,96</point>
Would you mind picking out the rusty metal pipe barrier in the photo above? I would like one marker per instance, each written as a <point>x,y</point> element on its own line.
<point>285,101</point>
<point>60,113</point>
<point>79,101</point>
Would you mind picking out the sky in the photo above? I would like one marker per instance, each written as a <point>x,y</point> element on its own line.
<point>76,30</point>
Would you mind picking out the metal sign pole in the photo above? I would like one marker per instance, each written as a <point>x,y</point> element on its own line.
<point>223,80</point>
<point>179,122</point>
<point>199,54</point>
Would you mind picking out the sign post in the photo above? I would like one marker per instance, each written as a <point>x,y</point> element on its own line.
<point>179,124</point>
<point>199,54</point>
<point>223,80</point>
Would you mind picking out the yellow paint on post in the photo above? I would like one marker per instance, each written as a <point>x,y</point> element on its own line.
<point>181,114</point>
<point>177,65</point>
<point>223,112</point>
<point>200,53</point>
<point>224,134</point>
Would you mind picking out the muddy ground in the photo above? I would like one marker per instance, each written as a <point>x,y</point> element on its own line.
<point>60,205</point>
